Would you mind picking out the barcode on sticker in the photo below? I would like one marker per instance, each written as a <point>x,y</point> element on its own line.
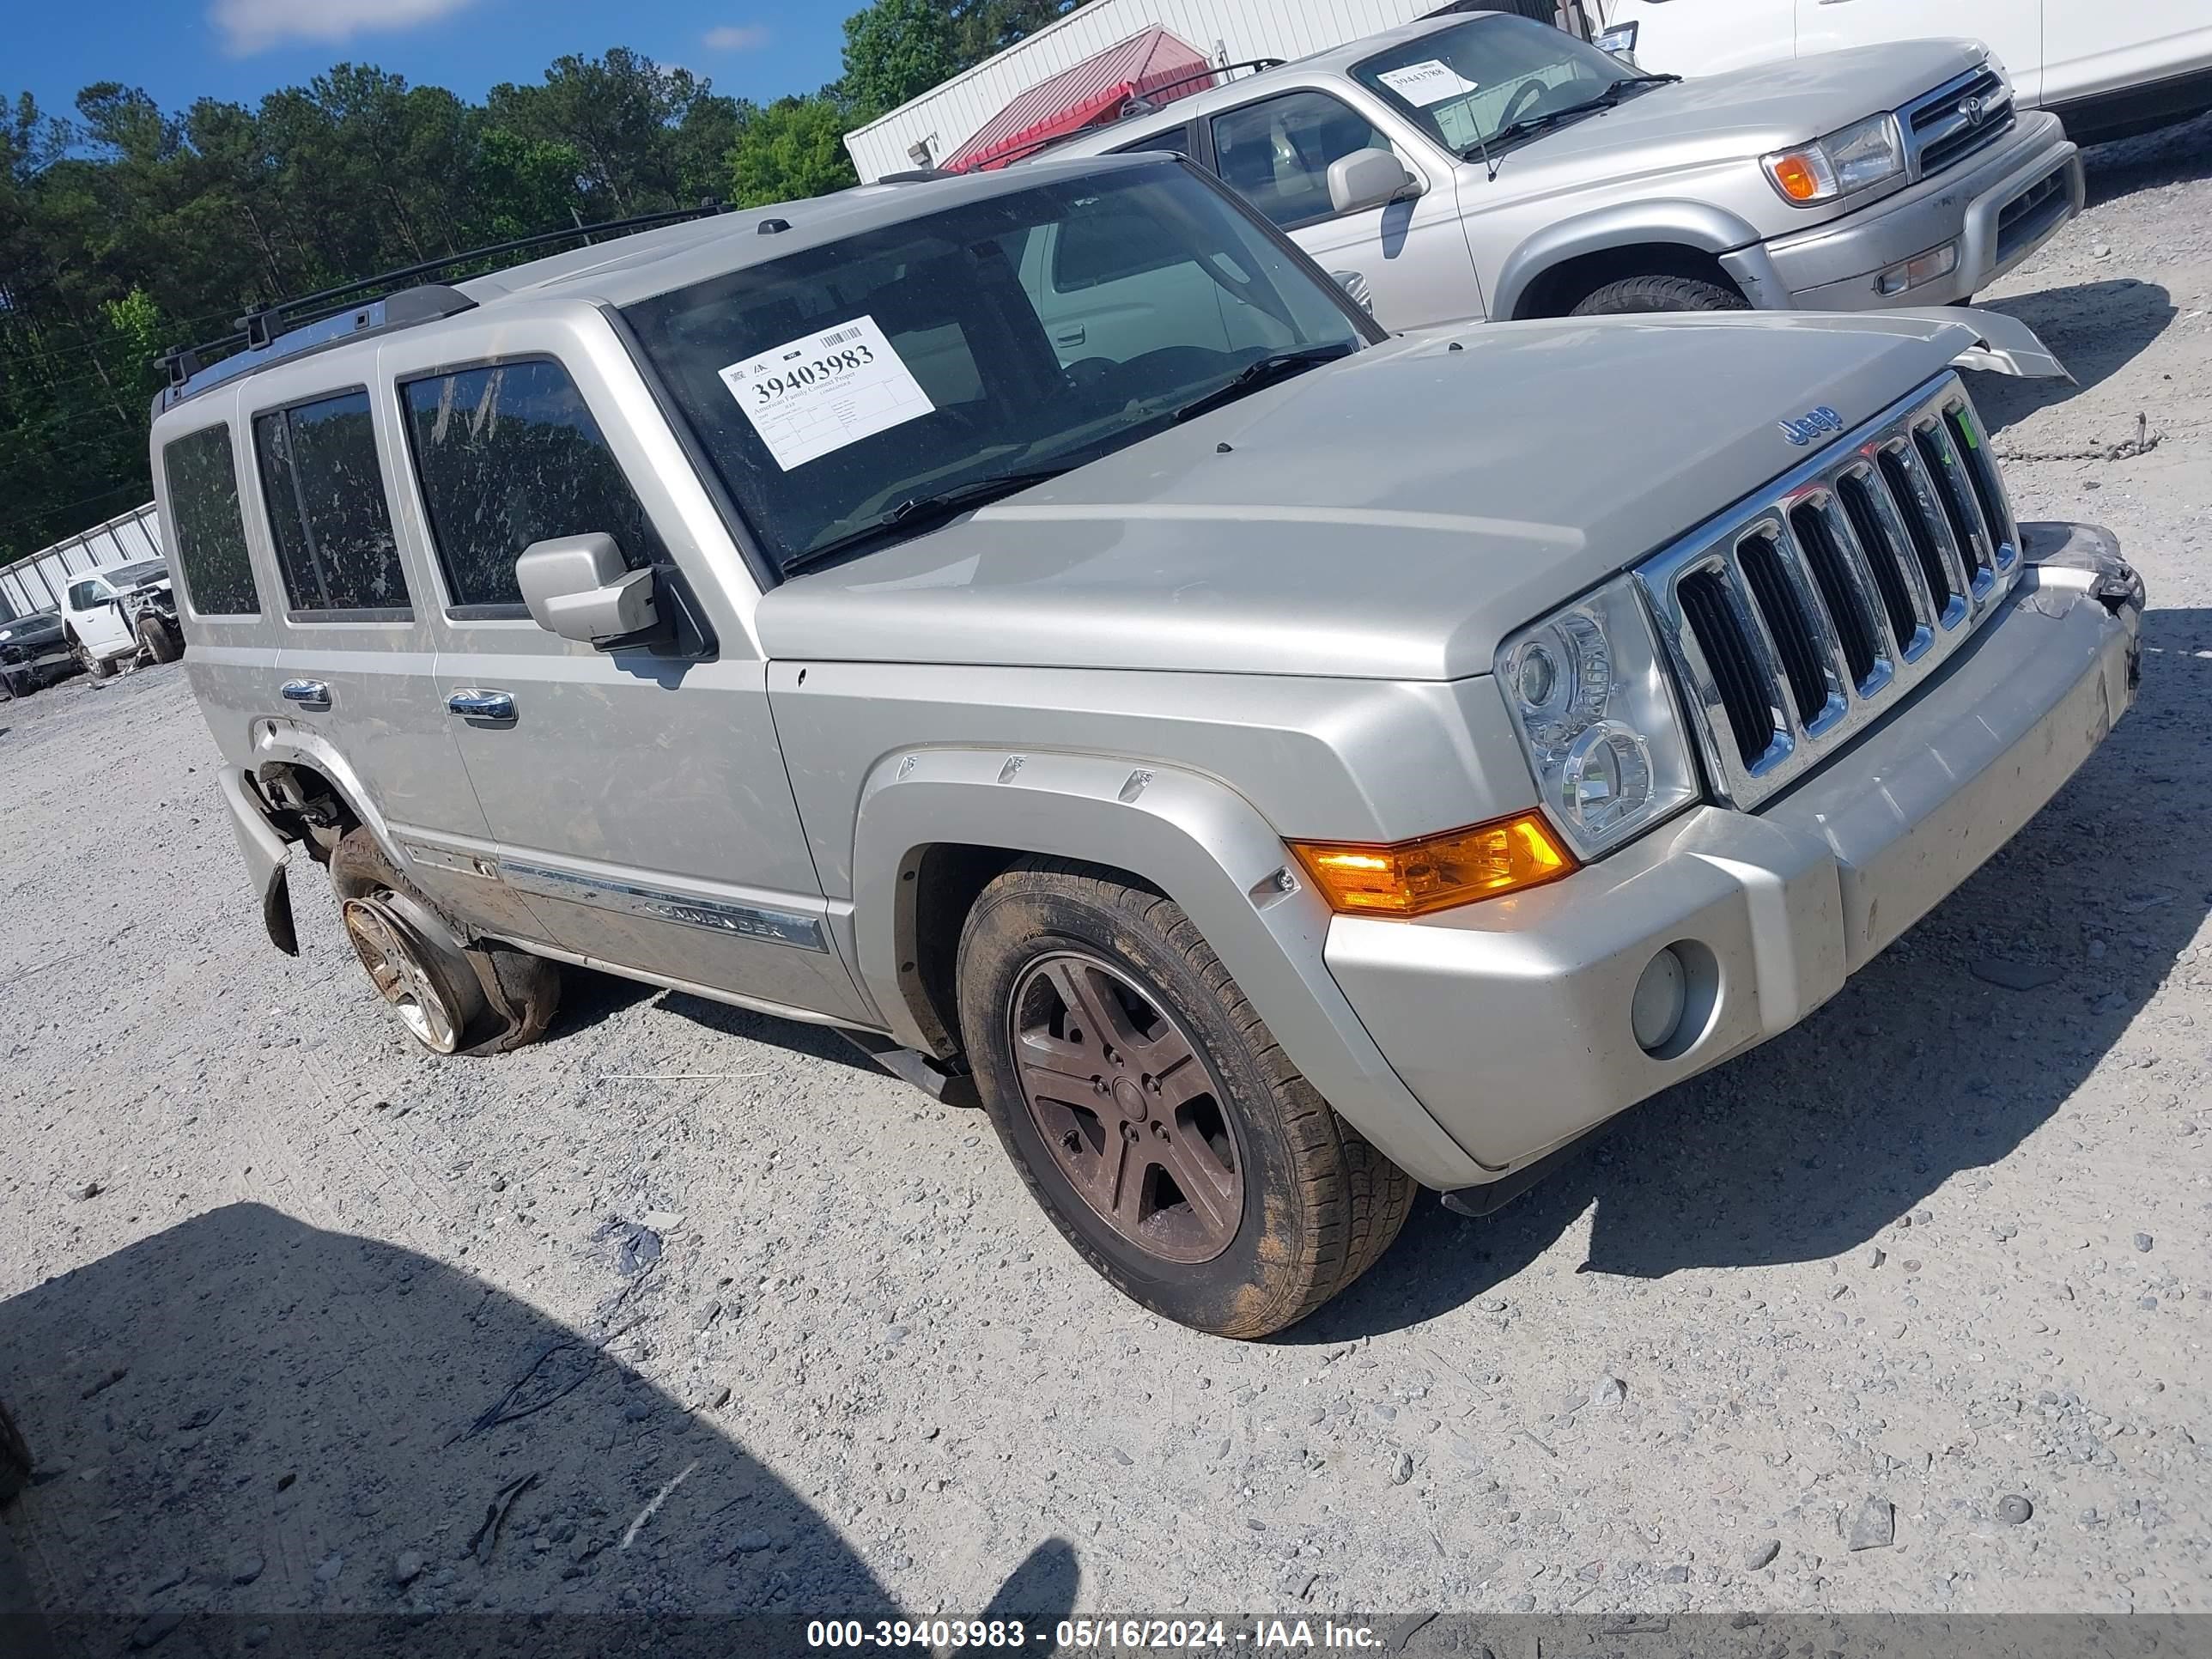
<point>840,337</point>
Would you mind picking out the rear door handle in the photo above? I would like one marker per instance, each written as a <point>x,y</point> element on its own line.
<point>1072,337</point>
<point>474,703</point>
<point>308,694</point>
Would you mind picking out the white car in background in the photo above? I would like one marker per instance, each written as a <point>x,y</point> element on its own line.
<point>121,612</point>
<point>2107,70</point>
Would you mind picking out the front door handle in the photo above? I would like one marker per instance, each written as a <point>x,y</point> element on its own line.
<point>308,694</point>
<point>1075,335</point>
<point>474,703</point>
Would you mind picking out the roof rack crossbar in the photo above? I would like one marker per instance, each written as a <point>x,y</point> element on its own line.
<point>261,327</point>
<point>409,273</point>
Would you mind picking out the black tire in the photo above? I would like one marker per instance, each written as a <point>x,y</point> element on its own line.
<point>1632,295</point>
<point>159,641</point>
<point>15,1458</point>
<point>1319,1204</point>
<point>8,692</point>
<point>501,999</point>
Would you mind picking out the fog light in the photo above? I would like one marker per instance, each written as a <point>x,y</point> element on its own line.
<point>1655,1011</point>
<point>1919,268</point>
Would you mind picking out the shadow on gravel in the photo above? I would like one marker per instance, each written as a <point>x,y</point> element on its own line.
<point>2095,329</point>
<point>1919,1070</point>
<point>2169,155</point>
<point>252,1433</point>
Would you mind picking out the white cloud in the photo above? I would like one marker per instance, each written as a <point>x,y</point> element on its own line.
<point>738,37</point>
<point>251,26</point>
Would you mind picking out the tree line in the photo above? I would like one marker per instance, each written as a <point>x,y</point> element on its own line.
<point>125,228</point>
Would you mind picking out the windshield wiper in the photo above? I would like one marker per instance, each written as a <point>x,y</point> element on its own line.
<point>1276,366</point>
<point>914,514</point>
<point>1604,100</point>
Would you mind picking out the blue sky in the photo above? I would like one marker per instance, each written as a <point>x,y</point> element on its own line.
<point>180,49</point>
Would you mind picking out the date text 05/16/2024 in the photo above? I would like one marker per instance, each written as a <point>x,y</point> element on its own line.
<point>1096,1635</point>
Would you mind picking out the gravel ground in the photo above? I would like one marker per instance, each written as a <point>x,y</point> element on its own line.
<point>1904,1310</point>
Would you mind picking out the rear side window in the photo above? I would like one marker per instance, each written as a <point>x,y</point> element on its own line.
<point>1175,141</point>
<point>508,455</point>
<point>202,489</point>
<point>324,494</point>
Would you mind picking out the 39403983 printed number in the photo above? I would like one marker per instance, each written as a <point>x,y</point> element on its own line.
<point>770,388</point>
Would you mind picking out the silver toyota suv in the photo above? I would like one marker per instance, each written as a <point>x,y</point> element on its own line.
<point>1491,166</point>
<point>1260,756</point>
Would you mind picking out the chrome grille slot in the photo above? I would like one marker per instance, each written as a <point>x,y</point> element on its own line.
<point>1796,647</point>
<point>1874,521</point>
<point>1921,517</point>
<point>1806,611</point>
<point>1982,475</point>
<point>1946,477</point>
<point>1839,589</point>
<point>1735,671</point>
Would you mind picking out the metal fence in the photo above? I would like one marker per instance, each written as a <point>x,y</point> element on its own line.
<point>36,583</point>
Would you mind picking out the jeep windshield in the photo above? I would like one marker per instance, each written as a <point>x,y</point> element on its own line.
<point>1494,79</point>
<point>858,392</point>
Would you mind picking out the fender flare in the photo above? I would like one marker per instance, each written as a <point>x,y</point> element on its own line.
<point>1202,844</point>
<point>1699,225</point>
<point>293,746</point>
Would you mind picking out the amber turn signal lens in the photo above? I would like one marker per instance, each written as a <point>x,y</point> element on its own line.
<point>1413,878</point>
<point>1796,176</point>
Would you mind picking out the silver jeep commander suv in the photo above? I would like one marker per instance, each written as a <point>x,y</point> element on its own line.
<point>1262,753</point>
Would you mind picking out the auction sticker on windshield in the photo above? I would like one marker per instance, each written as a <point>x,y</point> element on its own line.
<point>813,396</point>
<point>1428,82</point>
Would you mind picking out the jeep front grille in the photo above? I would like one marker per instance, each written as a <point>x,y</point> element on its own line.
<point>1818,606</point>
<point>1963,115</point>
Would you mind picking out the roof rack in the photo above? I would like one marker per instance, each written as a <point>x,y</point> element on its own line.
<point>1136,104</point>
<point>290,328</point>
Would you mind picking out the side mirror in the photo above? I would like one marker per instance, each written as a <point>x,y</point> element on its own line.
<point>578,588</point>
<point>1354,284</point>
<point>1367,178</point>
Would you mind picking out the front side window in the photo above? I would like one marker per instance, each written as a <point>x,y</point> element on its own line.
<point>324,492</point>
<point>857,389</point>
<point>82,596</point>
<point>1477,81</point>
<point>1276,154</point>
<point>508,454</point>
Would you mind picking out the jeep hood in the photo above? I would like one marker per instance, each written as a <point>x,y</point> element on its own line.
<point>1746,113</point>
<point>1392,515</point>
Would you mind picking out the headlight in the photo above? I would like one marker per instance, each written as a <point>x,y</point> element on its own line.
<point>1591,698</point>
<point>1849,159</point>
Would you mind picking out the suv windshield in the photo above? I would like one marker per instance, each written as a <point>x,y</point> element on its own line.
<point>129,575</point>
<point>1468,85</point>
<point>861,390</point>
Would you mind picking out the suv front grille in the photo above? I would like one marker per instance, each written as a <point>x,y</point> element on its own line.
<point>1956,120</point>
<point>1817,606</point>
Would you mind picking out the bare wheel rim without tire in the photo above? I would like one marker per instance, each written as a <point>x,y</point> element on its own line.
<point>402,977</point>
<point>1128,1107</point>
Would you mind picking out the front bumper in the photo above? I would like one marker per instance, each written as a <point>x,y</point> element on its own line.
<point>1998,207</point>
<point>1510,1019</point>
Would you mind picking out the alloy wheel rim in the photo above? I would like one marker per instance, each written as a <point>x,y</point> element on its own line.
<point>1128,1108</point>
<point>402,978</point>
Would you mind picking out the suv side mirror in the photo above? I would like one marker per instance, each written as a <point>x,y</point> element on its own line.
<point>578,588</point>
<point>1367,178</point>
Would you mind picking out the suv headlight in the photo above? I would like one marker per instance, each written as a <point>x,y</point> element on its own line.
<point>1590,694</point>
<point>1848,160</point>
